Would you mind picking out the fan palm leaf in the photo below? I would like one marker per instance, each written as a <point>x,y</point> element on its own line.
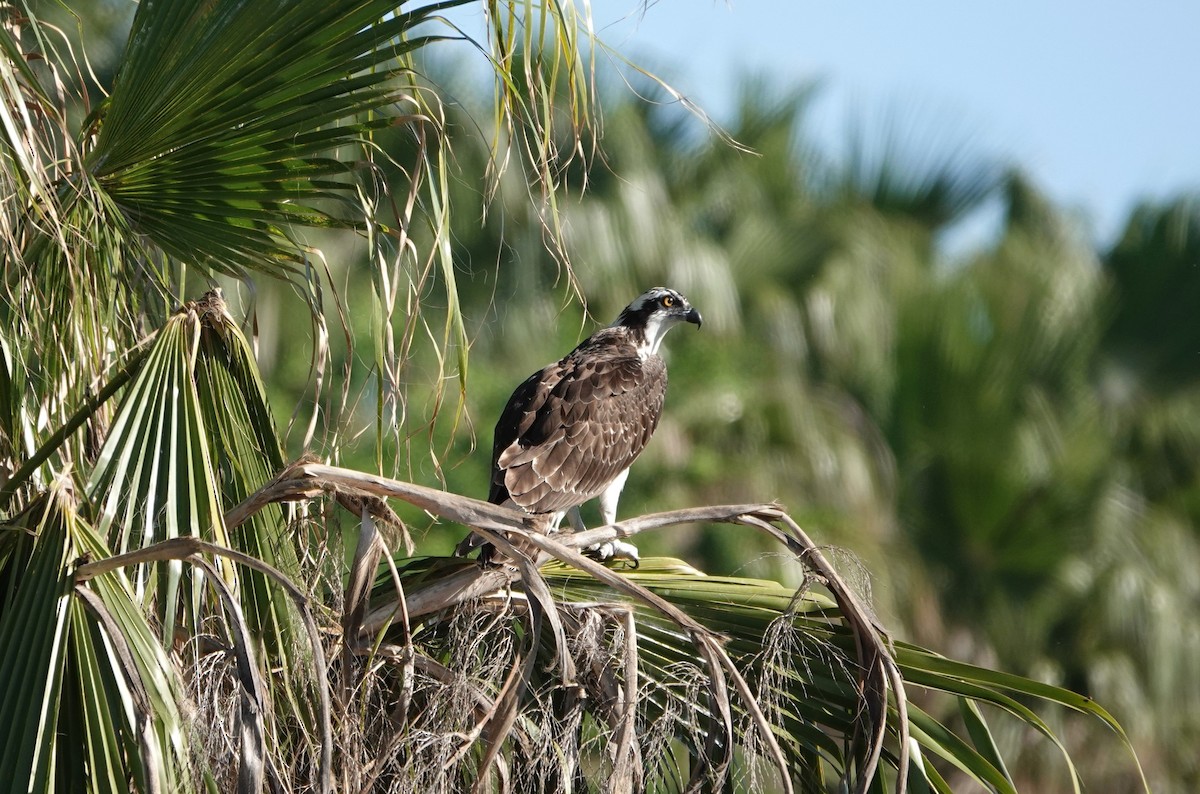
<point>103,716</point>
<point>227,117</point>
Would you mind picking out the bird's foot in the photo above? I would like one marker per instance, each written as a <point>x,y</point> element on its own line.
<point>614,550</point>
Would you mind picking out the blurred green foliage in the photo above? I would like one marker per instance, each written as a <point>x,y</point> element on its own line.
<point>1007,438</point>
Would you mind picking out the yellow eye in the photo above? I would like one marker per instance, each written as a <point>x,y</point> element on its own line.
<point>668,301</point>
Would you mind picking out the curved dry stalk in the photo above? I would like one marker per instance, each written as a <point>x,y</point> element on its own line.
<point>503,527</point>
<point>877,665</point>
<point>716,659</point>
<point>408,651</point>
<point>362,575</point>
<point>623,751</point>
<point>370,549</point>
<point>133,681</point>
<point>252,700</point>
<point>182,548</point>
<point>542,607</point>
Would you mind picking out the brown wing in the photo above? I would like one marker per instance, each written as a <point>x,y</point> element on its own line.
<point>570,429</point>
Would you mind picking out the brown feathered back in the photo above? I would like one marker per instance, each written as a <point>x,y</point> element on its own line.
<point>571,428</point>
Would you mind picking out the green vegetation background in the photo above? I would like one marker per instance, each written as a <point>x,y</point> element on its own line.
<point>1005,441</point>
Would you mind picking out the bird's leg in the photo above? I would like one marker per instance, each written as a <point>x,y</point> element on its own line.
<point>557,518</point>
<point>612,549</point>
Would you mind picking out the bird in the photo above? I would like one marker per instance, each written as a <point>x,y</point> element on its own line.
<point>571,430</point>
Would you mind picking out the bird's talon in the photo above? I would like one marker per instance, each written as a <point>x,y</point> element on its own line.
<point>614,550</point>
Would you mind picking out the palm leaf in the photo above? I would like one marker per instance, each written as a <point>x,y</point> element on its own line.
<point>227,116</point>
<point>103,716</point>
<point>240,429</point>
<point>237,422</point>
<point>253,764</point>
<point>33,630</point>
<point>154,477</point>
<point>800,662</point>
<point>192,432</point>
<point>819,684</point>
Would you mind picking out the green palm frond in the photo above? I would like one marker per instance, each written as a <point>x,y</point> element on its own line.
<point>1153,331</point>
<point>225,120</point>
<point>154,478</point>
<point>103,717</point>
<point>797,644</point>
<point>194,432</point>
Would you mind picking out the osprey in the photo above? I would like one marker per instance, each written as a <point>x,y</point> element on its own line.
<point>570,432</point>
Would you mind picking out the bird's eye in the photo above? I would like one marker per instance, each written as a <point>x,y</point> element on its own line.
<point>668,301</point>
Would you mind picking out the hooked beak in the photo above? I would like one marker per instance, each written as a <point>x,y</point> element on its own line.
<point>693,316</point>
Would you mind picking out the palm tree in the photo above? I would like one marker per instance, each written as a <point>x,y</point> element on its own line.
<point>1014,426</point>
<point>180,609</point>
<point>903,402</point>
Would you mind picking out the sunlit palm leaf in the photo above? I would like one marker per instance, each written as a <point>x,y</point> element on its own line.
<point>103,716</point>
<point>33,632</point>
<point>26,131</point>
<point>238,421</point>
<point>247,454</point>
<point>154,478</point>
<point>192,432</point>
<point>223,123</point>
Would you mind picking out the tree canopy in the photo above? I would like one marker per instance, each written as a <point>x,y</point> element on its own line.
<point>225,514</point>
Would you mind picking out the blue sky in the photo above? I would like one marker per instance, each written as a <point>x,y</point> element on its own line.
<point>1098,101</point>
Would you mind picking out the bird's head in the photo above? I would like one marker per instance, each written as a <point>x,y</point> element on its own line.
<point>654,312</point>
